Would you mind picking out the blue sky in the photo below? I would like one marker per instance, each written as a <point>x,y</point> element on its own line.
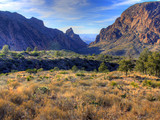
<point>84,16</point>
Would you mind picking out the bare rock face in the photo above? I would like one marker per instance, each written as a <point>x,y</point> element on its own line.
<point>70,33</point>
<point>20,33</point>
<point>137,28</point>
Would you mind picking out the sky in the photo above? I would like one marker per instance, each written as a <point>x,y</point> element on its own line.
<point>84,16</point>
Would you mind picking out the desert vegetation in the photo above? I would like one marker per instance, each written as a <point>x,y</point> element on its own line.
<point>57,94</point>
<point>80,92</point>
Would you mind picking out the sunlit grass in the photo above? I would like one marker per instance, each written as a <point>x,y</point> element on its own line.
<point>79,95</point>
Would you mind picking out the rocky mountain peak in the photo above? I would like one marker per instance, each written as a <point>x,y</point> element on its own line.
<point>70,31</point>
<point>19,33</point>
<point>137,28</point>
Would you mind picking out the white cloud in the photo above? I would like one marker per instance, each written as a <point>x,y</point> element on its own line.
<point>120,3</point>
<point>12,5</point>
<point>69,8</point>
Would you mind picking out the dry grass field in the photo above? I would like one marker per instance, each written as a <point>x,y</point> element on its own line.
<point>68,95</point>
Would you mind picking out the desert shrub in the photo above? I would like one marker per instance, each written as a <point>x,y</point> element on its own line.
<point>80,74</point>
<point>39,70</point>
<point>74,68</point>
<point>54,69</point>
<point>28,49</point>
<point>134,84</point>
<point>44,89</point>
<point>29,78</point>
<point>34,53</point>
<point>150,97</point>
<point>63,72</point>
<point>113,83</point>
<point>35,49</point>
<point>30,71</point>
<point>151,83</point>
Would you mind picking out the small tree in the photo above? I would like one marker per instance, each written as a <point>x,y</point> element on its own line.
<point>126,66</point>
<point>74,68</point>
<point>5,49</point>
<point>28,49</point>
<point>57,53</point>
<point>35,49</point>
<point>103,67</point>
<point>141,63</point>
<point>153,64</point>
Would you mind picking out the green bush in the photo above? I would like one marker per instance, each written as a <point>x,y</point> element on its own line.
<point>28,49</point>
<point>5,49</point>
<point>74,68</point>
<point>31,71</point>
<point>113,83</point>
<point>134,84</point>
<point>80,74</point>
<point>39,70</point>
<point>34,53</point>
<point>150,83</point>
<point>29,78</point>
<point>44,89</point>
<point>63,72</point>
<point>103,67</point>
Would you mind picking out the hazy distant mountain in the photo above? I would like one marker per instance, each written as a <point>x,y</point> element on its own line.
<point>137,28</point>
<point>19,33</point>
<point>88,38</point>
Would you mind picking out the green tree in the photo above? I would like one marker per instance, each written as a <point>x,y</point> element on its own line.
<point>28,49</point>
<point>5,49</point>
<point>153,64</point>
<point>103,67</point>
<point>57,53</point>
<point>141,63</point>
<point>126,66</point>
<point>74,68</point>
<point>35,49</point>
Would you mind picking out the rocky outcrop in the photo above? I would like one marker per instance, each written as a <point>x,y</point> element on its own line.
<point>70,33</point>
<point>19,33</point>
<point>137,28</point>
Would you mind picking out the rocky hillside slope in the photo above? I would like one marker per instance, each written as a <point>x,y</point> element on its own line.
<point>19,33</point>
<point>137,28</point>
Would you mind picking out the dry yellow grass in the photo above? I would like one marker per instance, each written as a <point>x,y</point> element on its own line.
<point>78,96</point>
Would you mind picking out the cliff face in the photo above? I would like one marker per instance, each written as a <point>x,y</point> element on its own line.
<point>20,33</point>
<point>137,28</point>
<point>70,33</point>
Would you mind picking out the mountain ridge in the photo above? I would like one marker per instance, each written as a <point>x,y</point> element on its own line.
<point>137,28</point>
<point>18,33</point>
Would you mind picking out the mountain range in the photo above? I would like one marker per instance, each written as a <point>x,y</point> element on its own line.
<point>136,29</point>
<point>18,33</point>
